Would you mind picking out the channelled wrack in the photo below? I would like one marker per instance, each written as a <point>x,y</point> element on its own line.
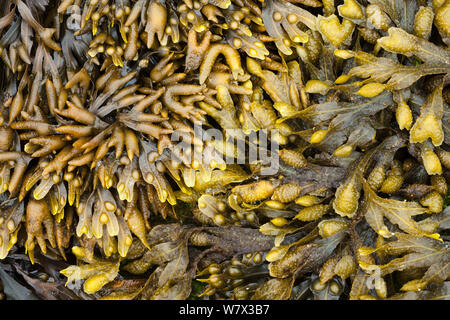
<point>122,124</point>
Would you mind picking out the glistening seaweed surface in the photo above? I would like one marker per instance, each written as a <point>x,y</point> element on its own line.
<point>224,149</point>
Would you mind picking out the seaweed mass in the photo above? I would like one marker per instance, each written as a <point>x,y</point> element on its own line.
<point>225,149</point>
